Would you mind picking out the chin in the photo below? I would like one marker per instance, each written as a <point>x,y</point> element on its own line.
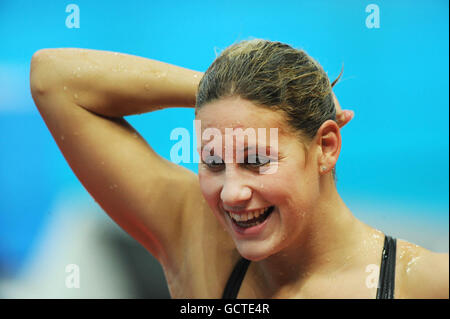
<point>254,251</point>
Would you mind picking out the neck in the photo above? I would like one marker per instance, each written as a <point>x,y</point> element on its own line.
<point>322,247</point>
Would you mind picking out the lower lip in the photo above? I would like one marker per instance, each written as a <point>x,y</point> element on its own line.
<point>251,231</point>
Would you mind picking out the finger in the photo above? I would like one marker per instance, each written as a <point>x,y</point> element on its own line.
<point>342,117</point>
<point>345,117</point>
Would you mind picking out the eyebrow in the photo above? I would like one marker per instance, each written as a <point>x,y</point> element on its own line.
<point>268,147</point>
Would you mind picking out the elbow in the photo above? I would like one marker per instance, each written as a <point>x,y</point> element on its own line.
<point>41,72</point>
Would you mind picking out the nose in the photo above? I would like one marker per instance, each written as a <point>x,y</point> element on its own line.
<point>235,192</point>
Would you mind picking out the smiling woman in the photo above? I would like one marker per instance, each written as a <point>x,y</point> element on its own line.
<point>234,230</point>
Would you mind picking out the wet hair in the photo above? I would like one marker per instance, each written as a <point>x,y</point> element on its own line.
<point>273,75</point>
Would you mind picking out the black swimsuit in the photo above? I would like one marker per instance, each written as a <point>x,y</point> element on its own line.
<point>386,281</point>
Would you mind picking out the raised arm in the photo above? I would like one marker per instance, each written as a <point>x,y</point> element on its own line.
<point>82,95</point>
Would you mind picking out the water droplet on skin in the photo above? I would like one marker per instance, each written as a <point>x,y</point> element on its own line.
<point>65,88</point>
<point>122,68</point>
<point>75,96</point>
<point>62,137</point>
<point>411,263</point>
<point>103,163</point>
<point>147,86</point>
<point>78,68</point>
<point>195,75</point>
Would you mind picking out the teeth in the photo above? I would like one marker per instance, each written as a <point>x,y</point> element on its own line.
<point>248,216</point>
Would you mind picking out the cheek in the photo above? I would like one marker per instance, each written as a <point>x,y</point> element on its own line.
<point>291,192</point>
<point>209,187</point>
<point>274,191</point>
<point>279,187</point>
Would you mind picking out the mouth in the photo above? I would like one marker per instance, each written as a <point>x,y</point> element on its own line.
<point>250,219</point>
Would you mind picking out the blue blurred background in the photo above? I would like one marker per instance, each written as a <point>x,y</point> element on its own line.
<point>392,172</point>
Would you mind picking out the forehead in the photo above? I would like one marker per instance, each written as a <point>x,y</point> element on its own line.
<point>235,112</point>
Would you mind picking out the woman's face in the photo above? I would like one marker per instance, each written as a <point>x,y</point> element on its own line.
<point>264,207</point>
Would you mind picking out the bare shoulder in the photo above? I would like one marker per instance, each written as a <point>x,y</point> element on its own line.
<point>421,273</point>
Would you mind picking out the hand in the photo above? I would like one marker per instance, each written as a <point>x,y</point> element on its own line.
<point>342,116</point>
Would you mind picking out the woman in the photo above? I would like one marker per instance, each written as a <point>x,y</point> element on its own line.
<point>233,230</point>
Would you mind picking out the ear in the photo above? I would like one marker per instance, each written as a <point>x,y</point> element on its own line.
<point>328,139</point>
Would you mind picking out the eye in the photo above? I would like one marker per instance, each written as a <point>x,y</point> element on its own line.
<point>256,160</point>
<point>213,162</point>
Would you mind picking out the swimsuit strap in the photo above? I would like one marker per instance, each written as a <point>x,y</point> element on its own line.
<point>234,282</point>
<point>386,282</point>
